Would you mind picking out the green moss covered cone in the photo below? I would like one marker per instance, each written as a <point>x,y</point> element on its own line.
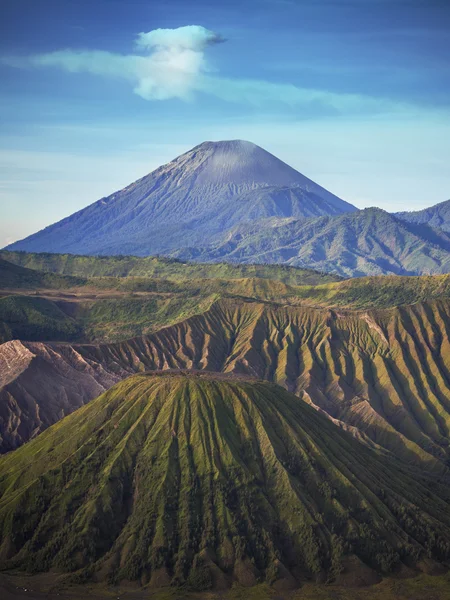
<point>201,479</point>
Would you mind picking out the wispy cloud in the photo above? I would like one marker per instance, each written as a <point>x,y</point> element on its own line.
<point>171,63</point>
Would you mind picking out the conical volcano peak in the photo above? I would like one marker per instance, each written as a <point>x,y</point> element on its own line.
<point>190,201</point>
<point>237,163</point>
<point>228,146</point>
<point>206,480</point>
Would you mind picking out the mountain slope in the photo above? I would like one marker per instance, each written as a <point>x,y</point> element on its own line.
<point>204,480</point>
<point>435,216</point>
<point>32,318</point>
<point>99,308</point>
<point>160,267</point>
<point>383,374</point>
<point>191,200</point>
<point>366,242</point>
<point>15,276</point>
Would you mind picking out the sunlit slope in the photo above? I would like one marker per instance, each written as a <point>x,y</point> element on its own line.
<point>159,267</point>
<point>376,292</point>
<point>45,306</point>
<point>385,372</point>
<point>164,275</point>
<point>187,478</point>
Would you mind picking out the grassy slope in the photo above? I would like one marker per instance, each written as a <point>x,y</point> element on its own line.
<point>377,292</point>
<point>125,296</point>
<point>159,267</point>
<point>116,319</point>
<point>265,282</point>
<point>200,479</point>
<point>14,276</point>
<point>30,318</point>
<point>109,308</point>
<point>384,372</point>
<point>144,305</point>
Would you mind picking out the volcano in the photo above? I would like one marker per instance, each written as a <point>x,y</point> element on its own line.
<point>193,200</point>
<point>203,479</point>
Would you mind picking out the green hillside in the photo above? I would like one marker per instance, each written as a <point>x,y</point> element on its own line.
<point>14,276</point>
<point>109,309</point>
<point>377,292</point>
<point>34,318</point>
<point>200,480</point>
<point>159,267</point>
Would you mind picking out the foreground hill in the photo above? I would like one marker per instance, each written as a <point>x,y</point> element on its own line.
<point>191,200</point>
<point>202,480</point>
<point>382,374</point>
<point>435,216</point>
<point>366,242</point>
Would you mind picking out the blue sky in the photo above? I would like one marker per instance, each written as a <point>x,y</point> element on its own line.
<point>353,93</point>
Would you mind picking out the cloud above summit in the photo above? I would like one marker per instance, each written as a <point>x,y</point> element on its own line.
<point>171,63</point>
<point>191,37</point>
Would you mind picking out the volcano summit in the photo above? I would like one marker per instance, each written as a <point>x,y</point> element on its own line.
<point>193,200</point>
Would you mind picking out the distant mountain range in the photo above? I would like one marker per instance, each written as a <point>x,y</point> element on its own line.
<point>435,216</point>
<point>366,242</point>
<point>233,201</point>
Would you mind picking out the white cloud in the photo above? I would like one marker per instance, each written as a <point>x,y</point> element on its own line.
<point>191,37</point>
<point>172,64</point>
<point>174,59</point>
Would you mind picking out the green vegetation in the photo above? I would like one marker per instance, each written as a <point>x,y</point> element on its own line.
<point>383,373</point>
<point>107,308</point>
<point>122,318</point>
<point>377,292</point>
<point>200,479</point>
<point>13,276</point>
<point>33,318</point>
<point>159,267</point>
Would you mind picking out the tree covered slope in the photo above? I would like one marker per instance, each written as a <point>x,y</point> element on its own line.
<point>366,242</point>
<point>435,216</point>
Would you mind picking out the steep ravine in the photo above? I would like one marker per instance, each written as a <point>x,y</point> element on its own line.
<point>383,374</point>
